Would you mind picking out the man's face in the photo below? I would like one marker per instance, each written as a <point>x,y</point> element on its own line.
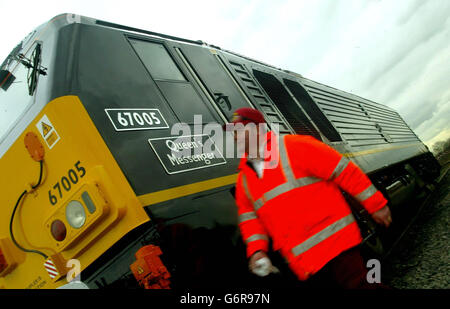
<point>246,138</point>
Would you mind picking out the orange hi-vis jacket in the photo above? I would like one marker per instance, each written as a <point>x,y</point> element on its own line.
<point>299,205</point>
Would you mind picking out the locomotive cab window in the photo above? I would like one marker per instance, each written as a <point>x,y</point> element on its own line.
<point>157,60</point>
<point>16,89</point>
<point>177,90</point>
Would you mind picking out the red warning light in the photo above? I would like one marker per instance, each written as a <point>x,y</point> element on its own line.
<point>3,263</point>
<point>58,230</point>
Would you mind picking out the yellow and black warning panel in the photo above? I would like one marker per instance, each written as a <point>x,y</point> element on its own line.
<point>48,132</point>
<point>82,206</point>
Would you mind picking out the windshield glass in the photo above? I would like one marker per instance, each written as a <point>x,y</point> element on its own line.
<point>14,91</point>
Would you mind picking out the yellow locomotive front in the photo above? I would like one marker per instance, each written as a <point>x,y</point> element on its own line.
<point>82,158</point>
<point>64,199</point>
<point>82,206</point>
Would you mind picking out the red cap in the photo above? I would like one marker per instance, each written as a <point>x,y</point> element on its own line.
<point>246,115</point>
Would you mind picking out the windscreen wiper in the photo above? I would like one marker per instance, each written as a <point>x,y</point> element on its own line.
<point>34,68</point>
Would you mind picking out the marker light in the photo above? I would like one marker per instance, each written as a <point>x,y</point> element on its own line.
<point>58,230</point>
<point>75,214</point>
<point>3,263</point>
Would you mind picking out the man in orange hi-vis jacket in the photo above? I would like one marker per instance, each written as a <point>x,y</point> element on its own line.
<point>293,196</point>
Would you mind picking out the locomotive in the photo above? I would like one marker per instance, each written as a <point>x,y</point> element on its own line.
<point>86,109</point>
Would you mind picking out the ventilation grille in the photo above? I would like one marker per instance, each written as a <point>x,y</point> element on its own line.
<point>360,122</point>
<point>272,114</point>
<point>313,111</point>
<point>286,105</point>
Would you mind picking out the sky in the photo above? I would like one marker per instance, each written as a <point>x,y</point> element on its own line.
<point>394,52</point>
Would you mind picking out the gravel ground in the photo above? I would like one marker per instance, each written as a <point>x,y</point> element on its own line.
<point>421,260</point>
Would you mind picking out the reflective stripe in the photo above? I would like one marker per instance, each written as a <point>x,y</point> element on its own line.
<point>244,183</point>
<point>247,217</point>
<point>256,237</point>
<point>361,197</point>
<point>278,190</point>
<point>288,186</point>
<point>285,160</point>
<point>247,191</point>
<point>305,181</point>
<point>258,203</point>
<point>339,168</point>
<point>323,234</point>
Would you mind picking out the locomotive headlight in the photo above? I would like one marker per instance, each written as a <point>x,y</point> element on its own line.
<point>75,214</point>
<point>83,213</point>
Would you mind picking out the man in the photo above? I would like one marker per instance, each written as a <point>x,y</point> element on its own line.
<point>290,191</point>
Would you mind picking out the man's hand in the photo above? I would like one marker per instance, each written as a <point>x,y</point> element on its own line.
<point>383,216</point>
<point>260,264</point>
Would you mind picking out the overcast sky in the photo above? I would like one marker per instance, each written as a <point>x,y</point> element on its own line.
<point>395,52</point>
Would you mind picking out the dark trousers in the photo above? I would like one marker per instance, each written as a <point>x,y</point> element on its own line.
<point>347,271</point>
